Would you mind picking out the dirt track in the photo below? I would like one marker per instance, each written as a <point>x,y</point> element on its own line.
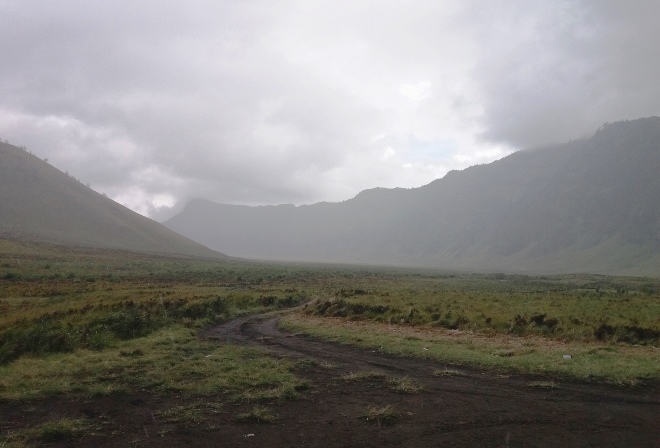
<point>478,409</point>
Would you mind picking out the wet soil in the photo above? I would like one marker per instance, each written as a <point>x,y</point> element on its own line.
<point>474,409</point>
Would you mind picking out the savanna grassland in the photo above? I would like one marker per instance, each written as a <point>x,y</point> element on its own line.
<point>609,327</point>
<point>100,323</point>
<point>94,325</point>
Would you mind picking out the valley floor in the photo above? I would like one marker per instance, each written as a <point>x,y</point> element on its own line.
<point>363,398</point>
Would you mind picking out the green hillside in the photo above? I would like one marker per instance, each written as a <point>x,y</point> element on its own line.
<point>40,203</point>
<point>590,205</point>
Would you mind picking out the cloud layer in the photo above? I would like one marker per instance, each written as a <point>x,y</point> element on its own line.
<point>260,102</point>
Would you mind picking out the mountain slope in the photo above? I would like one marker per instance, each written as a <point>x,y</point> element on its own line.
<point>39,202</point>
<point>587,206</point>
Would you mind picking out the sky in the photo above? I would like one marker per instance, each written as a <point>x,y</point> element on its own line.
<point>293,101</point>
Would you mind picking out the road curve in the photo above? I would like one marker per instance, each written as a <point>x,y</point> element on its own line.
<point>480,406</point>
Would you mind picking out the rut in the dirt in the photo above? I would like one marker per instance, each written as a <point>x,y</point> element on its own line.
<point>481,408</point>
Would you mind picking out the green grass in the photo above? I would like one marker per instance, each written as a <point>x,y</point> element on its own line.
<point>620,363</point>
<point>577,307</point>
<point>192,414</point>
<point>90,322</point>
<point>45,310</point>
<point>53,431</point>
<point>171,360</point>
<point>363,375</point>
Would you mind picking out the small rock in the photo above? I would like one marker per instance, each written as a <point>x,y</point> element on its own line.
<point>567,357</point>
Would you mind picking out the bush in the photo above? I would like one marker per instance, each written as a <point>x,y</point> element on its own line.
<point>101,326</point>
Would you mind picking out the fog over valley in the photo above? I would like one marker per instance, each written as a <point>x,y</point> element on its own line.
<point>264,103</point>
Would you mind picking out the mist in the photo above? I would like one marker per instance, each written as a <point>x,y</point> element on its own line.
<point>296,102</point>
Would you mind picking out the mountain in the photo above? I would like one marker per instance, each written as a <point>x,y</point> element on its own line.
<point>591,205</point>
<point>40,203</point>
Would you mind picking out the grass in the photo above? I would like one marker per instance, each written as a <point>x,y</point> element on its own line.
<point>363,375</point>
<point>84,323</point>
<point>382,415</point>
<point>57,300</point>
<point>618,363</point>
<point>171,360</point>
<point>54,431</point>
<point>402,385</point>
<point>569,307</point>
<point>258,414</point>
<point>328,365</point>
<point>190,414</point>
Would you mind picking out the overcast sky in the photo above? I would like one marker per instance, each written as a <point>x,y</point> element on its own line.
<point>266,102</point>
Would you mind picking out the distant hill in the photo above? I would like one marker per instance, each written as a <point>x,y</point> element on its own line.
<point>40,203</point>
<point>591,205</point>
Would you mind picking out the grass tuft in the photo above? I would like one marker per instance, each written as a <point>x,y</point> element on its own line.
<point>62,431</point>
<point>258,414</point>
<point>404,385</point>
<point>191,414</point>
<point>363,375</point>
<point>328,365</point>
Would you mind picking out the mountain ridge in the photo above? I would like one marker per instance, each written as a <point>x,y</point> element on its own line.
<point>590,205</point>
<point>40,203</point>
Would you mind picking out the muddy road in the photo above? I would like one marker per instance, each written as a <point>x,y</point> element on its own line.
<point>469,408</point>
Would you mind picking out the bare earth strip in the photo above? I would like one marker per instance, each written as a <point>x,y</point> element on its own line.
<point>462,408</point>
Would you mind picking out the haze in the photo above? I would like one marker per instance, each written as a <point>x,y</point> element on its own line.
<point>262,102</point>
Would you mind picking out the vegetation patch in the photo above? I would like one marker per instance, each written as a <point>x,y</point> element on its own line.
<point>564,308</point>
<point>173,360</point>
<point>190,414</point>
<point>78,322</point>
<point>258,414</point>
<point>328,365</point>
<point>62,431</point>
<point>404,385</point>
<point>623,364</point>
<point>363,375</point>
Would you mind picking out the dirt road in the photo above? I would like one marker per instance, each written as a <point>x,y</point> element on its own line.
<point>469,408</point>
<point>477,409</point>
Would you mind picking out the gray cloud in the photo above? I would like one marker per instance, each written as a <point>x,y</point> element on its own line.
<point>554,71</point>
<point>293,101</point>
